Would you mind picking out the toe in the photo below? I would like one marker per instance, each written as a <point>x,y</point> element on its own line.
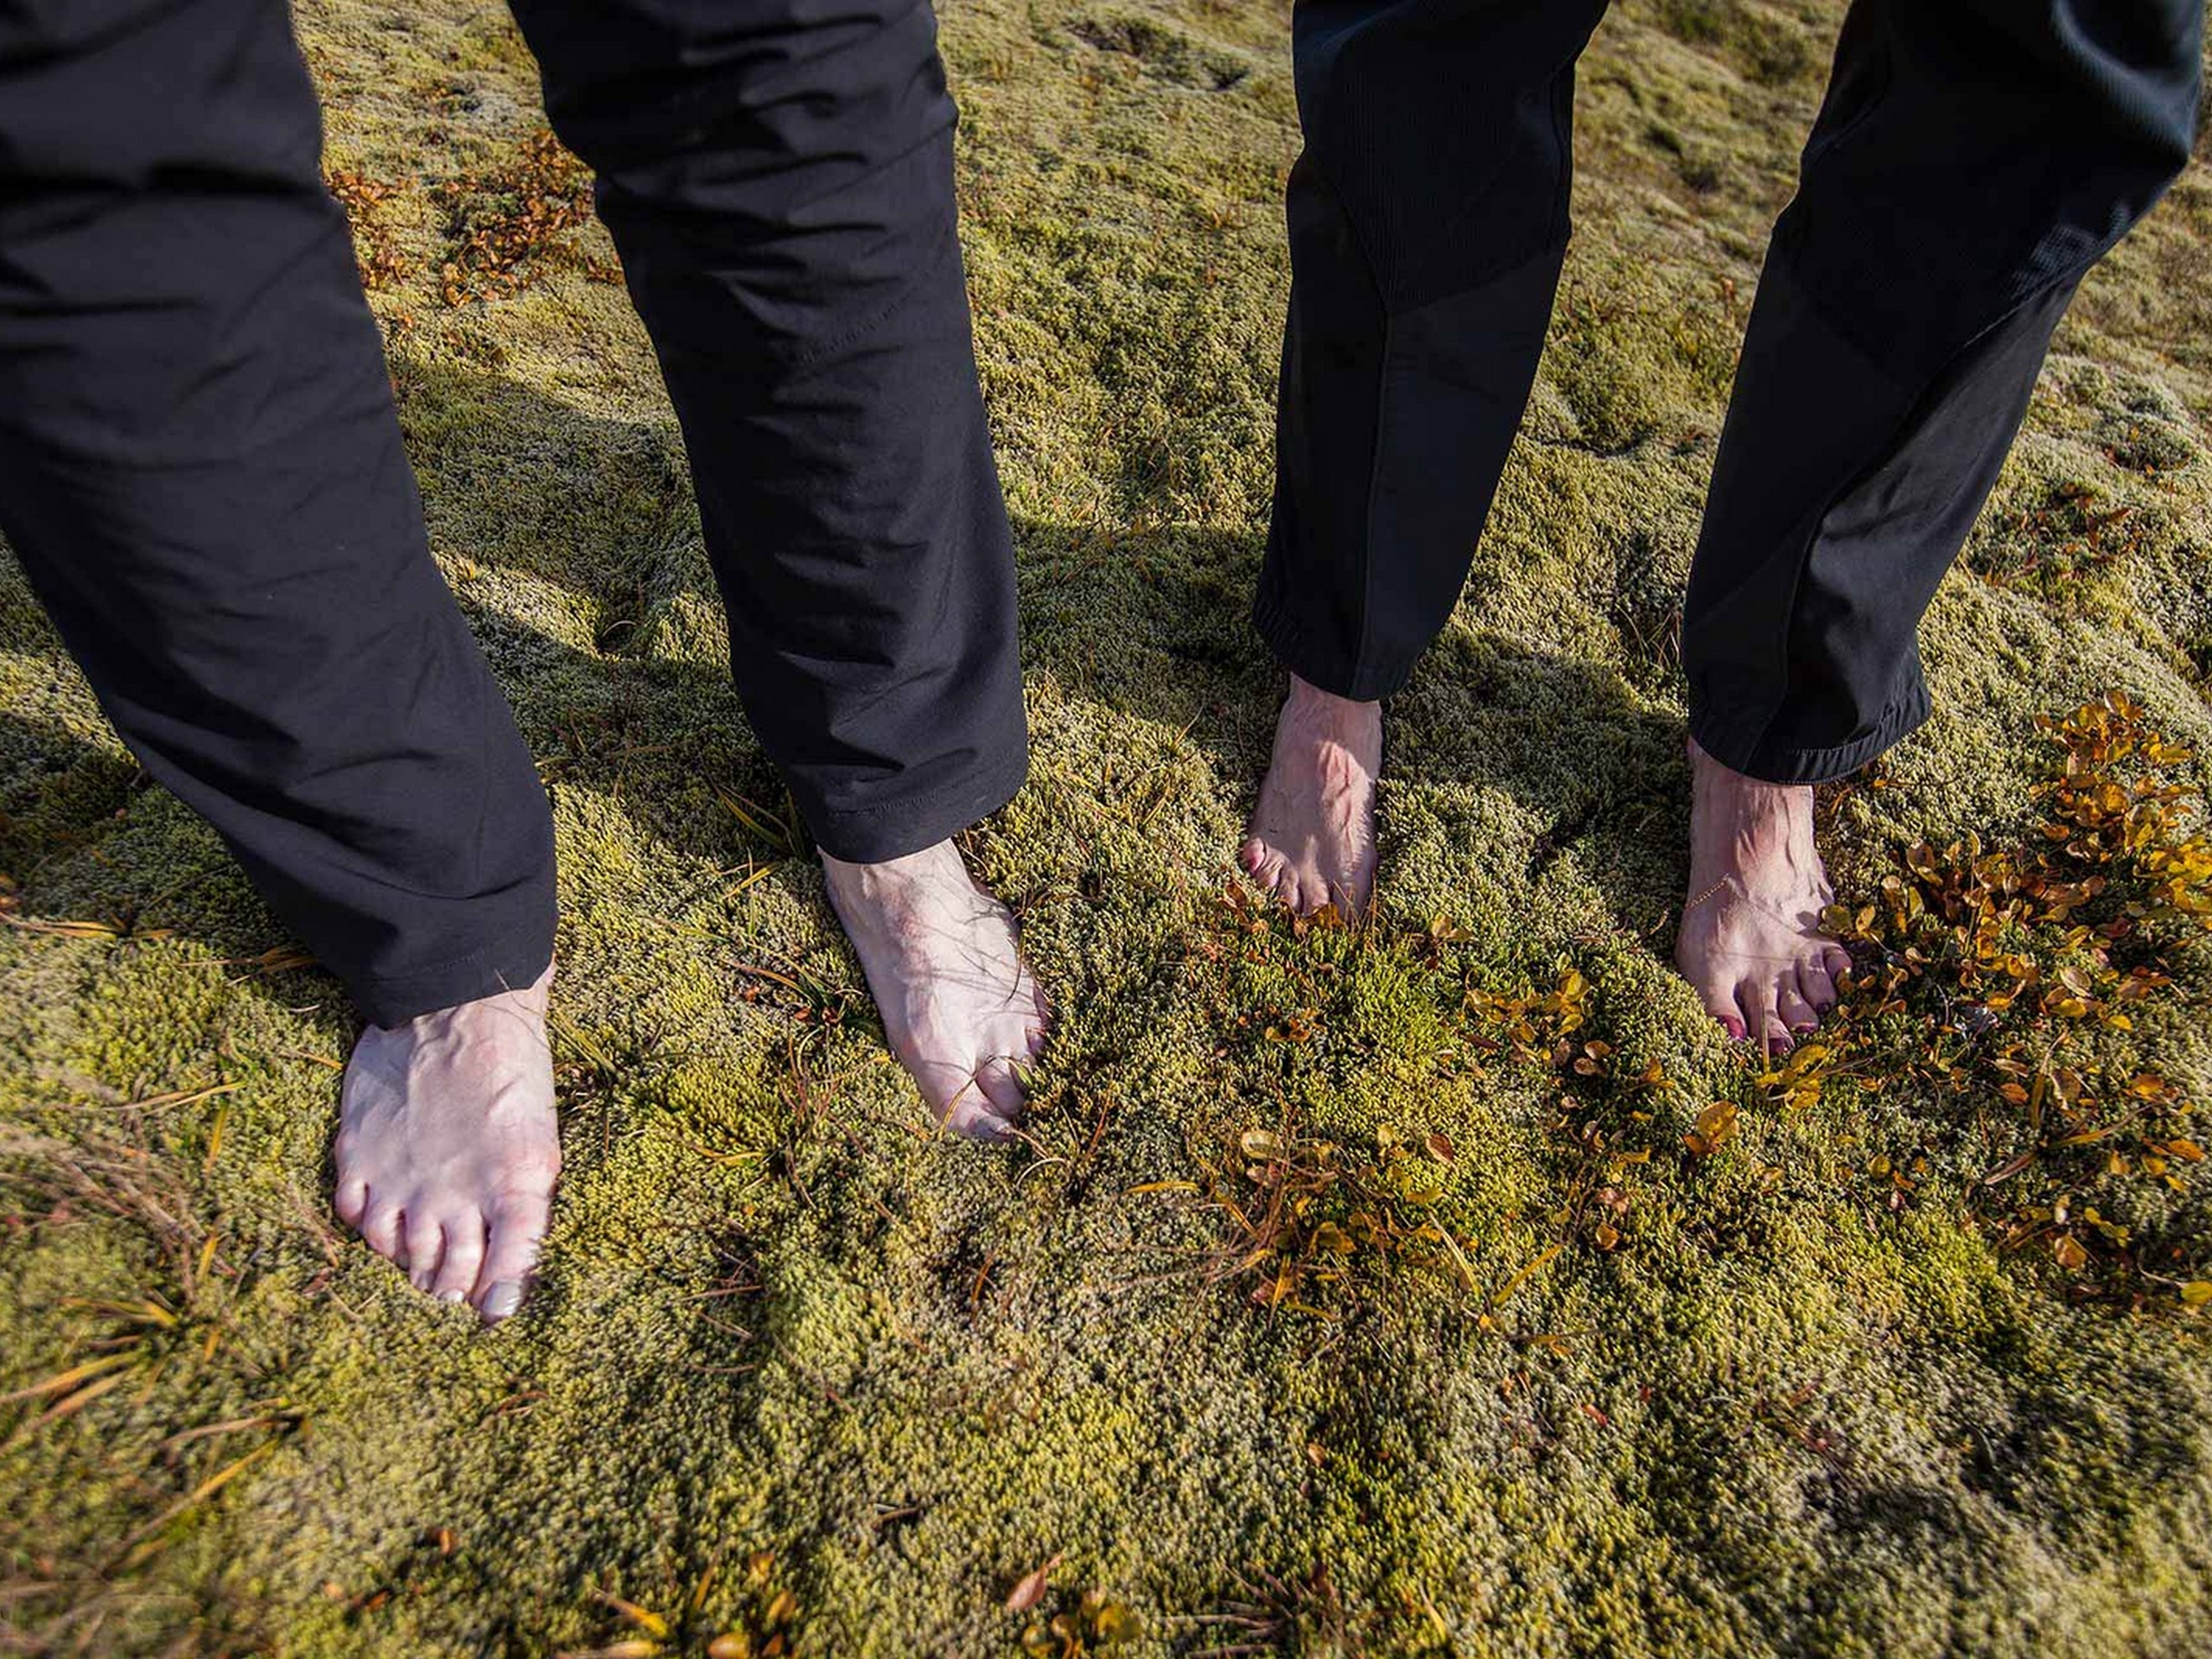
<point>1837,961</point>
<point>381,1228</point>
<point>1718,1002</point>
<point>973,1117</point>
<point>464,1257</point>
<point>1753,1010</point>
<point>1000,1089</point>
<point>1797,1014</point>
<point>1764,1017</point>
<point>512,1235</point>
<point>351,1200</point>
<point>1731,1018</point>
<point>424,1240</point>
<point>1815,987</point>
<point>1265,865</point>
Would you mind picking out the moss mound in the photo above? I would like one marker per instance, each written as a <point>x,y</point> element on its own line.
<point>1448,1289</point>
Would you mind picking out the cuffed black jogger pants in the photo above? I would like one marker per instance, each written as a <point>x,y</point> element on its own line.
<point>201,471</point>
<point>1972,160</point>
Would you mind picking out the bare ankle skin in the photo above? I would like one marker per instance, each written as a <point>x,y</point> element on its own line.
<point>1312,839</point>
<point>960,1007</point>
<point>448,1146</point>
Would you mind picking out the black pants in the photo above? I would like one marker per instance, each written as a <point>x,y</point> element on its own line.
<point>202,472</point>
<point>1972,160</point>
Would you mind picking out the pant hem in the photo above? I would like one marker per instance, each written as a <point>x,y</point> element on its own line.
<point>1750,754</point>
<point>512,963</point>
<point>1278,629</point>
<point>897,827</point>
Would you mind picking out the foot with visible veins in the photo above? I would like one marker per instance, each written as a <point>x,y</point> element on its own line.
<point>448,1148</point>
<point>1751,943</point>
<point>959,1005</point>
<point>1312,839</point>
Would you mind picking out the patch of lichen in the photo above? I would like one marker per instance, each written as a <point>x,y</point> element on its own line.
<point>799,1367</point>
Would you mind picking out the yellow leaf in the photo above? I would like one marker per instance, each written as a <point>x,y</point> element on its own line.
<point>70,1378</point>
<point>1715,1124</point>
<point>652,1622</point>
<point>2197,1293</point>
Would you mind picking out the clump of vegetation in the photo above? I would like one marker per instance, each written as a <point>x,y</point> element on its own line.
<point>2005,988</point>
<point>376,251</point>
<point>2075,533</point>
<point>761,1632</point>
<point>511,225</point>
<point>1448,1285</point>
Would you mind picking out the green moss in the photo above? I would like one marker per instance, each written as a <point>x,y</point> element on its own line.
<point>787,1339</point>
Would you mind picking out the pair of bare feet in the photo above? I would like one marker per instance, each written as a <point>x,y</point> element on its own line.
<point>1750,942</point>
<point>448,1148</point>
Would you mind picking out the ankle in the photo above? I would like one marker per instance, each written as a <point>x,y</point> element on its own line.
<point>1308,702</point>
<point>1717,785</point>
<point>531,999</point>
<point>884,879</point>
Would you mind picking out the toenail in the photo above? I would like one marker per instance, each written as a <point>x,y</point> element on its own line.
<point>453,1296</point>
<point>502,1301</point>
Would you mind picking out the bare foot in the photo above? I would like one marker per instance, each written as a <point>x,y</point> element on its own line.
<point>447,1147</point>
<point>1312,838</point>
<point>958,1001</point>
<point>1751,943</point>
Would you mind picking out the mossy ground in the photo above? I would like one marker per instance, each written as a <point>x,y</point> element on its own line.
<point>800,1370</point>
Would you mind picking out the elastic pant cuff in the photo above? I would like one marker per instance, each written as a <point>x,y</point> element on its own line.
<point>1325,670</point>
<point>1749,752</point>
<point>893,829</point>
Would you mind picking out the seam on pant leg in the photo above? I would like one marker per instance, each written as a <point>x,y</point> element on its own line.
<point>1373,681</point>
<point>394,998</point>
<point>1900,720</point>
<point>1804,556</point>
<point>1365,650</point>
<point>1752,751</point>
<point>1358,664</point>
<point>1286,637</point>
<point>929,818</point>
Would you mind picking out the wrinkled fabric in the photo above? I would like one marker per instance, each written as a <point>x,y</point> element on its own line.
<point>1972,159</point>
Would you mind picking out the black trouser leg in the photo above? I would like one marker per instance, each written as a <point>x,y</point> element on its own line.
<point>1971,162</point>
<point>202,472</point>
<point>778,179</point>
<point>1428,217</point>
